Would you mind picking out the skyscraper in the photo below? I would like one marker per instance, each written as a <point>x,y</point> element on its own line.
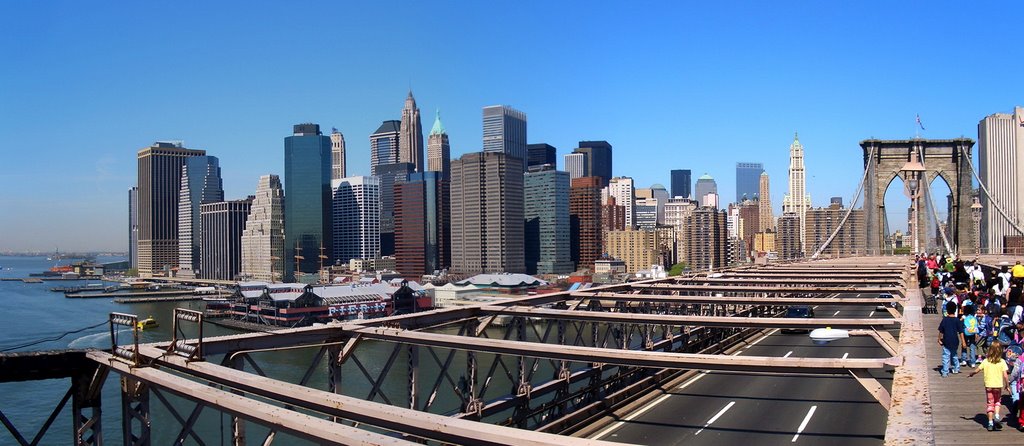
<point>337,155</point>
<point>540,154</point>
<point>576,165</point>
<point>1001,169</point>
<point>622,189</point>
<point>384,145</point>
<point>438,150</point>
<point>356,218</point>
<point>706,191</point>
<point>797,201</point>
<point>598,159</point>
<point>787,239</point>
<point>159,178</point>
<point>487,214</point>
<point>410,141</point>
<point>200,184</point>
<point>851,238</point>
<point>422,244</point>
<point>389,176</point>
<point>546,210</point>
<point>133,227</point>
<point>681,183</point>
<point>221,241</point>
<point>263,237</point>
<point>585,221</point>
<point>307,201</point>
<point>748,180</point>
<point>764,205</point>
<point>707,239</point>
<point>505,132</point>
<point>638,248</point>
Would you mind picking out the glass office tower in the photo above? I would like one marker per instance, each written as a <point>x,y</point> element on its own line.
<point>307,201</point>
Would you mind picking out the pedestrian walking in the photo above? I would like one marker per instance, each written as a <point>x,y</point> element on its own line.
<point>996,378</point>
<point>949,338</point>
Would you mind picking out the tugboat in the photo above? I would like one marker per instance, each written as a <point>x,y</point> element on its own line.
<point>148,323</point>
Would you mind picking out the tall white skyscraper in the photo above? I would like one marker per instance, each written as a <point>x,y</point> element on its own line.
<point>263,237</point>
<point>1000,167</point>
<point>200,184</point>
<point>337,155</point>
<point>356,218</point>
<point>505,132</point>
<point>625,195</point>
<point>576,165</point>
<point>798,200</point>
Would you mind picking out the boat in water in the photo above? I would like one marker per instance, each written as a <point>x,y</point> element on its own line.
<point>148,323</point>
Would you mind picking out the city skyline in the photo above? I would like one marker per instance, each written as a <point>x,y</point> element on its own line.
<point>223,105</point>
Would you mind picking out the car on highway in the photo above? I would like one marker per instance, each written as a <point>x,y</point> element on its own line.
<point>881,306</point>
<point>798,312</point>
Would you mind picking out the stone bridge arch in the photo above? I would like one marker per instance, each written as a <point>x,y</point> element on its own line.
<point>945,158</point>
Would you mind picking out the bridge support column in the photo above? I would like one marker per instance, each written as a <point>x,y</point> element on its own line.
<point>87,407</point>
<point>135,416</point>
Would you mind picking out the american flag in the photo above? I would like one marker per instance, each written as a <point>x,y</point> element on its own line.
<point>919,122</point>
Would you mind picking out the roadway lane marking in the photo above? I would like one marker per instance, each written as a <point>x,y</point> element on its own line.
<point>858,294</point>
<point>807,419</point>
<point>872,314</point>
<point>692,380</point>
<point>787,354</point>
<point>837,312</point>
<point>761,338</point>
<point>845,355</point>
<point>717,415</point>
<point>633,415</point>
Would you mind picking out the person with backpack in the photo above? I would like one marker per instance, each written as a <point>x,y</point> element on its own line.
<point>1016,380</point>
<point>950,332</point>
<point>996,375</point>
<point>969,337</point>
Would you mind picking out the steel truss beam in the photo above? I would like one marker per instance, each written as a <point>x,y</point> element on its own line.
<point>704,321</point>
<point>731,300</point>
<point>765,289</point>
<point>789,280</point>
<point>300,425</point>
<point>398,419</point>
<point>629,358</point>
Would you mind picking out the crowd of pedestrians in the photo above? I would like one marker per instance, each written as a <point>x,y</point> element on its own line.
<point>982,327</point>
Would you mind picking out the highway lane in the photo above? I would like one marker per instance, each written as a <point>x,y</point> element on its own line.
<point>763,409</point>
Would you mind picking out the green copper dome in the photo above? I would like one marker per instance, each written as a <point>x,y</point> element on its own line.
<point>438,128</point>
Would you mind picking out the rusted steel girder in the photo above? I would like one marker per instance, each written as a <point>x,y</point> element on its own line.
<point>632,358</point>
<point>790,281</point>
<point>732,300</point>
<point>394,418</point>
<point>768,289</point>
<point>704,321</point>
<point>301,425</point>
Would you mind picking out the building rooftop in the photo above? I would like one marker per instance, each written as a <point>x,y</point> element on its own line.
<point>502,280</point>
<point>438,128</point>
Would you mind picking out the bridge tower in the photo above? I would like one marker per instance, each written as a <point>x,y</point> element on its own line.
<point>884,160</point>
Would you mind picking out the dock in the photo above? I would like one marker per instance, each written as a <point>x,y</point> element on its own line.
<point>139,300</point>
<point>136,294</point>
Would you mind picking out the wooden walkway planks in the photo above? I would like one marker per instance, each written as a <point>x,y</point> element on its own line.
<point>958,402</point>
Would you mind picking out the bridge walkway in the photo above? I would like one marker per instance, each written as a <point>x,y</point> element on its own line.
<point>958,402</point>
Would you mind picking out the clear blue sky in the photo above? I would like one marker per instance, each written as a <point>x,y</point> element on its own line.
<point>84,85</point>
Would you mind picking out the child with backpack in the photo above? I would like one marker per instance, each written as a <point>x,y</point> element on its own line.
<point>996,376</point>
<point>969,337</point>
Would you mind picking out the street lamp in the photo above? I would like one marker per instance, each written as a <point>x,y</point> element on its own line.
<point>912,172</point>
<point>976,218</point>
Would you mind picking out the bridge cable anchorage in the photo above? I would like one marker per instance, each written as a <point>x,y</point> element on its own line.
<point>1013,222</point>
<point>853,204</point>
<point>935,212</point>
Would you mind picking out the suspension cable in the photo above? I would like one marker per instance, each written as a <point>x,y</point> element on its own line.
<point>1013,222</point>
<point>849,211</point>
<point>935,212</point>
